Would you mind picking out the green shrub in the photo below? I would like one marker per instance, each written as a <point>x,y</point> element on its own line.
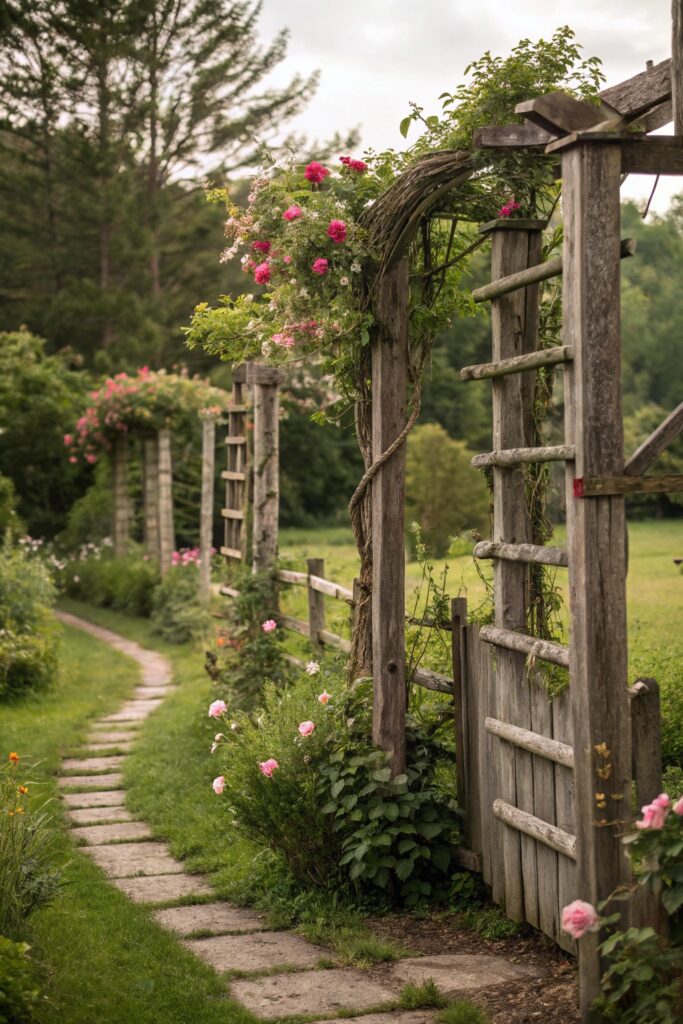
<point>422,997</point>
<point>330,808</point>
<point>18,989</point>
<point>28,637</point>
<point>9,520</point>
<point>126,584</point>
<point>463,1012</point>
<point>28,876</point>
<point>177,614</point>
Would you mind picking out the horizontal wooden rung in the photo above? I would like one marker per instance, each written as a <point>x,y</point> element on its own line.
<point>236,439</point>
<point>229,474</point>
<point>533,275</point>
<point>330,588</point>
<point>546,650</point>
<point>537,553</point>
<point>227,591</point>
<point>231,553</point>
<point>433,681</point>
<point>552,836</point>
<point>551,749</point>
<point>599,486</point>
<point>237,408</point>
<point>515,456</point>
<point>232,513</point>
<point>325,636</point>
<point>518,364</point>
<point>296,625</point>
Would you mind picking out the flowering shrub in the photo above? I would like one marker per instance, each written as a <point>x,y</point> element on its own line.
<point>147,401</point>
<point>302,777</point>
<point>28,639</point>
<point>177,614</point>
<point>126,584</point>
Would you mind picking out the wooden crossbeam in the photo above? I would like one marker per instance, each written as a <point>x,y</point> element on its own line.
<point>536,553</point>
<point>558,113</point>
<point>518,364</point>
<point>433,681</point>
<point>640,154</point>
<point>657,442</point>
<point>551,835</point>
<point>511,640</point>
<point>516,456</point>
<point>597,486</point>
<point>552,750</point>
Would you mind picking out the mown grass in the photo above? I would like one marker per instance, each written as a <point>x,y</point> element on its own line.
<point>101,958</point>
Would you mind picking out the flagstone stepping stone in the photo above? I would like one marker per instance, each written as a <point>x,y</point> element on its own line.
<point>97,835</point>
<point>256,951</point>
<point>405,1017</point>
<point>210,917</point>
<point>91,781</point>
<point>458,972</point>
<point>151,692</point>
<point>93,764</point>
<point>311,992</point>
<point>162,888</point>
<point>95,815</point>
<point>112,737</point>
<point>137,711</point>
<point>124,860</point>
<point>92,748</point>
<point>105,798</point>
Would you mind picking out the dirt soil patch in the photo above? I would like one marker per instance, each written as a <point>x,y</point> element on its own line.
<point>550,998</point>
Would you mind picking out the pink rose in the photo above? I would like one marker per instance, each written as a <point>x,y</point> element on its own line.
<point>578,918</point>
<point>336,230</point>
<point>283,340</point>
<point>287,259</point>
<point>262,273</point>
<point>268,767</point>
<point>654,814</point>
<point>324,697</point>
<point>218,784</point>
<point>72,458</point>
<point>312,668</point>
<point>68,440</point>
<point>510,207</point>
<point>269,625</point>
<point>306,728</point>
<point>315,172</point>
<point>320,266</point>
<point>678,807</point>
<point>218,708</point>
<point>292,212</point>
<point>91,458</point>
<point>354,165</point>
<point>261,247</point>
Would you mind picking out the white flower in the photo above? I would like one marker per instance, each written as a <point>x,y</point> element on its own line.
<point>249,297</point>
<point>355,267</point>
<point>303,292</point>
<point>234,726</point>
<point>312,668</point>
<point>293,280</point>
<point>245,259</point>
<point>313,214</point>
<point>266,349</point>
<point>343,281</point>
<point>77,579</point>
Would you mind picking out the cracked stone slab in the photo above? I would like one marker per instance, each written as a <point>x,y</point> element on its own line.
<point>125,860</point>
<point>96,815</point>
<point>311,992</point>
<point>458,972</point>
<point>122,736</point>
<point>160,888</point>
<point>112,781</point>
<point>98,835</point>
<point>95,748</point>
<point>210,917</point>
<point>93,764</point>
<point>405,1017</point>
<point>105,798</point>
<point>151,692</point>
<point>255,951</point>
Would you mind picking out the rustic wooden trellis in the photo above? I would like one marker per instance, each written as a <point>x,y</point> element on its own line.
<point>157,496</point>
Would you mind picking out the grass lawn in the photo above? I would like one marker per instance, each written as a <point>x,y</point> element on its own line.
<point>103,958</point>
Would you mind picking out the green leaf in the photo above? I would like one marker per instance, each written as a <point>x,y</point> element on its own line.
<point>404,869</point>
<point>405,845</point>
<point>390,811</point>
<point>429,829</point>
<point>337,787</point>
<point>405,126</point>
<point>356,870</point>
<point>329,808</point>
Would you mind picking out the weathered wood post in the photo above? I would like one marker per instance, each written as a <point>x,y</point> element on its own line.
<point>166,527</point>
<point>677,65</point>
<point>206,508</point>
<point>119,470</point>
<point>591,173</point>
<point>266,381</point>
<point>150,495</point>
<point>316,602</point>
<point>389,382</point>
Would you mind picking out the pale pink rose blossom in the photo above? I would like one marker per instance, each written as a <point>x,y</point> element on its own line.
<point>218,708</point>
<point>654,814</point>
<point>320,266</point>
<point>268,767</point>
<point>269,625</point>
<point>218,784</point>
<point>578,918</point>
<point>678,807</point>
<point>291,213</point>
<point>324,697</point>
<point>312,668</point>
<point>306,728</point>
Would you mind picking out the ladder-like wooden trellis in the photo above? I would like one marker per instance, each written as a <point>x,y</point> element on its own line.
<point>236,473</point>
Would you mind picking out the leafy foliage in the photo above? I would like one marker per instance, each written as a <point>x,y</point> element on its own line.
<point>126,584</point>
<point>28,640</point>
<point>19,991</point>
<point>177,614</point>
<point>642,984</point>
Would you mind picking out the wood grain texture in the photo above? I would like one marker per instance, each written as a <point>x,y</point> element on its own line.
<point>166,519</point>
<point>521,821</point>
<point>594,486</point>
<point>511,640</point>
<point>658,441</point>
<point>516,456</point>
<point>150,496</point>
<point>536,553</point>
<point>596,531</point>
<point>677,65</point>
<point>121,524</point>
<point>266,469</point>
<point>518,364</point>
<point>458,655</point>
<point>646,734</point>
<point>206,507</point>
<point>316,601</point>
<point>389,382</point>
<point>641,92</point>
<point>558,112</point>
<point>535,743</point>
<point>236,475</point>
<point>563,732</point>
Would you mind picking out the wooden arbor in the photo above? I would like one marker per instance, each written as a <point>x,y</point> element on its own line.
<point>157,496</point>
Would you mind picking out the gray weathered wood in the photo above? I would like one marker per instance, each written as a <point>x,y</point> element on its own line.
<point>595,486</point>
<point>642,92</point>
<point>334,640</point>
<point>536,553</point>
<point>534,742</point>
<point>646,735</point>
<point>515,456</point>
<point>316,601</point>
<point>511,640</point>
<point>532,826</point>
<point>639,154</point>
<point>656,443</point>
<point>166,524</point>
<point>236,474</point>
<point>389,382</point>
<point>533,275</point>
<point>119,469</point>
<point>591,175</point>
<point>296,625</point>
<point>458,654</point>
<point>559,112</point>
<point>677,65</point>
<point>524,136</point>
<point>659,117</point>
<point>228,591</point>
<point>150,495</point>
<point>331,589</point>
<point>206,507</point>
<point>474,695</point>
<point>544,806</point>
<point>266,464</point>
<point>470,860</point>
<point>231,552</point>
<point>511,224</point>
<point>566,891</point>
<point>518,364</point>
<point>432,680</point>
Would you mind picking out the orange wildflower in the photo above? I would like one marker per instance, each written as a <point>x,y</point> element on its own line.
<point>14,757</point>
<point>22,790</point>
<point>19,810</point>
<point>220,641</point>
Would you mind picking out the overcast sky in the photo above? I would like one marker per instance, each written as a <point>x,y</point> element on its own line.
<point>377,55</point>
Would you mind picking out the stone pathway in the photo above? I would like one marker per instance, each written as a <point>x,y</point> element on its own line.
<point>230,938</point>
